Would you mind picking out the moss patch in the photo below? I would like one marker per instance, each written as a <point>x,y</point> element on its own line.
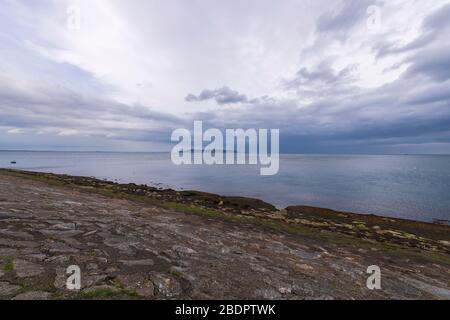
<point>8,267</point>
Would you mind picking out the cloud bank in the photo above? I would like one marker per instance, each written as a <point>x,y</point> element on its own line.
<point>129,74</point>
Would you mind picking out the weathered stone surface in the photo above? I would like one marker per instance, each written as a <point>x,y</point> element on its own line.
<point>16,234</point>
<point>125,248</point>
<point>61,259</point>
<point>267,294</point>
<point>134,263</point>
<point>7,289</point>
<point>167,285</point>
<point>137,283</point>
<point>58,247</point>
<point>64,226</point>
<point>5,252</point>
<point>93,280</point>
<point>33,295</point>
<point>183,250</point>
<point>60,279</point>
<point>26,269</point>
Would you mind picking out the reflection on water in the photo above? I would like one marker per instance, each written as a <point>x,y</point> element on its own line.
<point>407,186</point>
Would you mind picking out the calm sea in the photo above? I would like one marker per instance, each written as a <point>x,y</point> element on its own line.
<point>405,186</point>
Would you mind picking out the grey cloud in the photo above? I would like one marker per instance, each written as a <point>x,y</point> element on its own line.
<point>414,109</point>
<point>437,94</point>
<point>435,26</point>
<point>222,96</point>
<point>433,63</point>
<point>322,81</point>
<point>323,74</point>
<point>343,18</point>
<point>57,110</point>
<point>438,20</point>
<point>408,111</point>
<point>339,116</point>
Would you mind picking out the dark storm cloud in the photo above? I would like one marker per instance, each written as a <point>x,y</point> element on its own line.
<point>222,96</point>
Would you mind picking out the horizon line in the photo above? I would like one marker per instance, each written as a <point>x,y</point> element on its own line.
<point>284,153</point>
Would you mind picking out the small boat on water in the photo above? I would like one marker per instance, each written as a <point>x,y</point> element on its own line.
<point>13,162</point>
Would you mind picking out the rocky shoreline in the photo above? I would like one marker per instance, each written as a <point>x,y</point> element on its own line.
<point>139,242</point>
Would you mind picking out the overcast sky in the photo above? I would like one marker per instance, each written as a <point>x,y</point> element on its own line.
<point>362,76</point>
